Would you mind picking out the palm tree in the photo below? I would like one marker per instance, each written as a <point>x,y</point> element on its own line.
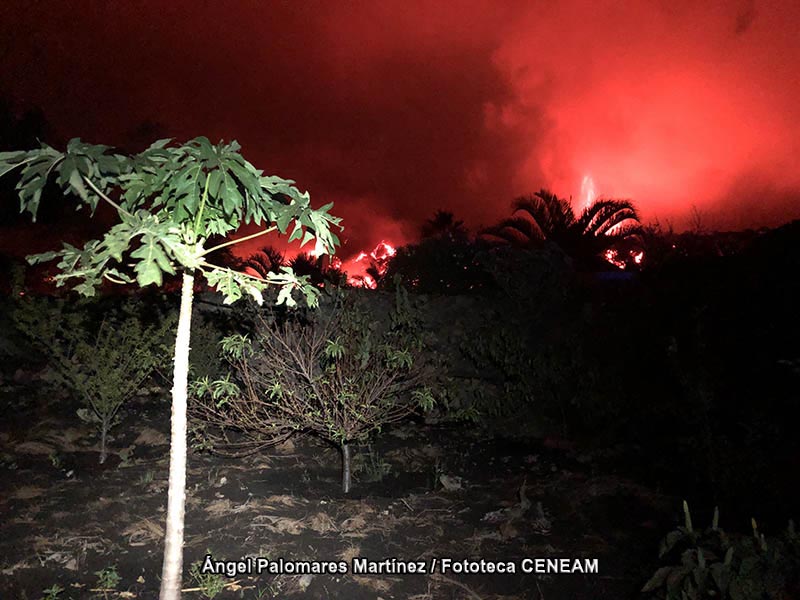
<point>267,260</point>
<point>305,264</point>
<point>318,272</point>
<point>444,225</point>
<point>545,217</point>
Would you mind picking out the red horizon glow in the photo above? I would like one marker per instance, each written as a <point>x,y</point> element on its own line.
<point>393,110</point>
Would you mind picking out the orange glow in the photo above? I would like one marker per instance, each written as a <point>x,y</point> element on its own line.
<point>622,260</point>
<point>377,259</point>
<point>382,252</point>
<point>612,256</point>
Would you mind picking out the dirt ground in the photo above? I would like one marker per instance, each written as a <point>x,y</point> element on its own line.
<point>421,492</point>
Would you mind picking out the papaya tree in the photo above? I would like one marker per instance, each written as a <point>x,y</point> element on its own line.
<point>170,201</point>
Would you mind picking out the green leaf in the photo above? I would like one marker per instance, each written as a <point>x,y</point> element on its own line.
<point>206,149</point>
<point>158,193</point>
<point>153,261</point>
<point>657,580</point>
<point>285,296</point>
<point>309,235</point>
<point>159,144</point>
<point>35,259</point>
<point>188,256</point>
<point>283,220</point>
<point>214,181</point>
<point>255,293</point>
<point>76,183</point>
<point>225,282</point>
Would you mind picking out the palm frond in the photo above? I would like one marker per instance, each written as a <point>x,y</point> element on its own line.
<point>628,230</point>
<point>265,261</point>
<point>517,231</point>
<point>605,214</point>
<point>550,214</point>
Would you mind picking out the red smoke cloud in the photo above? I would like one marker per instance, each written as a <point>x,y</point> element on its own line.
<point>393,110</point>
<point>666,104</point>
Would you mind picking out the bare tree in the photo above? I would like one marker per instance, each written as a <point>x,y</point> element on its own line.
<point>338,375</point>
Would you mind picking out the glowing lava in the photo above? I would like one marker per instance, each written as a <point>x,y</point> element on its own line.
<point>612,256</point>
<point>366,265</point>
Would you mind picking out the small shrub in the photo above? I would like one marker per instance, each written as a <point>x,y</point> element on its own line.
<point>210,584</point>
<point>710,563</point>
<point>341,375</point>
<point>53,592</point>
<point>101,355</point>
<point>369,466</point>
<point>108,578</point>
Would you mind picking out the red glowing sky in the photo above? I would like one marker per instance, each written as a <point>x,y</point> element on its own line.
<point>395,109</point>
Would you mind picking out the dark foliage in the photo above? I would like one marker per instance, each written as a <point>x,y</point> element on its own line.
<point>694,365</point>
<point>440,265</point>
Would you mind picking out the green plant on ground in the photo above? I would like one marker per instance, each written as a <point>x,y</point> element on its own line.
<point>103,364</point>
<point>267,592</point>
<point>53,592</point>
<point>126,456</point>
<point>210,584</point>
<point>369,466</point>
<point>108,578</point>
<point>146,478</point>
<point>708,563</point>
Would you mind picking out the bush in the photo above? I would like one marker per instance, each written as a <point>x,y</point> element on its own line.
<point>710,563</point>
<point>101,354</point>
<point>439,265</point>
<point>510,349</point>
<point>339,375</point>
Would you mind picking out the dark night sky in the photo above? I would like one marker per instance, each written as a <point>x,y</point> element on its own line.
<point>394,109</point>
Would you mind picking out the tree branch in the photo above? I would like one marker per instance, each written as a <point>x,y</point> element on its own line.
<point>19,164</point>
<point>239,240</point>
<point>104,197</point>
<point>205,263</point>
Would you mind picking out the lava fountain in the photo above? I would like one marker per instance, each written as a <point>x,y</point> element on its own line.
<point>588,193</point>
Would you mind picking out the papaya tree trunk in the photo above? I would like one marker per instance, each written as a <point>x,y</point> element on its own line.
<point>104,425</point>
<point>346,475</point>
<point>173,543</point>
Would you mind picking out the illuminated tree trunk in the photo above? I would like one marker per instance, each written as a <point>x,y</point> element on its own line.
<point>173,543</point>
<point>105,425</point>
<point>346,474</point>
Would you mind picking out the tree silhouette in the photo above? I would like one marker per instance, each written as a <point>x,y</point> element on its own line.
<point>226,258</point>
<point>316,270</point>
<point>544,217</point>
<point>445,261</point>
<point>267,260</point>
<point>444,224</point>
